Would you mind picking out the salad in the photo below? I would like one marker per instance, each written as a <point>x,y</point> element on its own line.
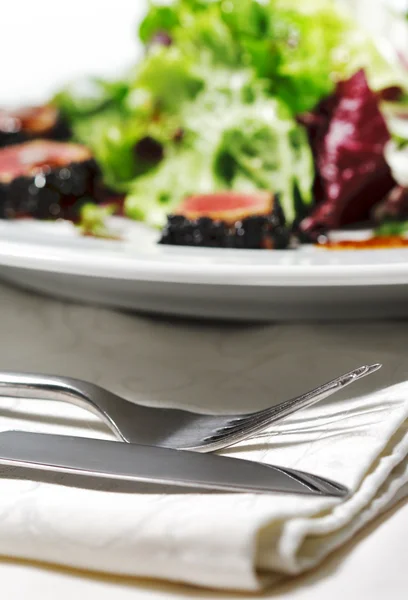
<point>247,124</point>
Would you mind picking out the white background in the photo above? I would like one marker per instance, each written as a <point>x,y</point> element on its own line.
<point>45,43</point>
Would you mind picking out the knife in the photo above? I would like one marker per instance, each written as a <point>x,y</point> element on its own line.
<point>151,464</point>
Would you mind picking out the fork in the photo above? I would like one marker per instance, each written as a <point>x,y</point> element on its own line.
<point>166,427</point>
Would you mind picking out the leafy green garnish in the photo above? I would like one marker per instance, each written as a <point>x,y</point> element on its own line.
<point>400,142</point>
<point>92,220</point>
<point>89,96</point>
<point>169,77</point>
<point>159,18</point>
<point>391,228</point>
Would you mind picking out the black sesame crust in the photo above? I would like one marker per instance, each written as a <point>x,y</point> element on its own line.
<point>252,232</point>
<point>58,193</point>
<point>60,131</point>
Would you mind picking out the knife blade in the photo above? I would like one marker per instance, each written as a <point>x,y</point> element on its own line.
<point>151,464</point>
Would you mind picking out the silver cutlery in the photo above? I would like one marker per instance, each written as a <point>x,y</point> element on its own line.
<point>166,427</point>
<point>151,464</point>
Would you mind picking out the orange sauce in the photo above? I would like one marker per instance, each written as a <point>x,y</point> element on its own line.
<point>375,242</point>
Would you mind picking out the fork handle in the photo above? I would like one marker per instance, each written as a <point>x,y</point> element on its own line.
<point>52,387</point>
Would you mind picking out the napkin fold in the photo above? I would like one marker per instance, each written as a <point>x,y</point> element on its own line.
<point>230,541</point>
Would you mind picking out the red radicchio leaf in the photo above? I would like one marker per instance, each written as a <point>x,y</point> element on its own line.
<point>347,133</point>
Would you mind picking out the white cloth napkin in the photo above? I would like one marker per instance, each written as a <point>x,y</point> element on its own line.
<point>236,541</point>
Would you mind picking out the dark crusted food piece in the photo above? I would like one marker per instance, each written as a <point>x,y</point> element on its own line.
<point>232,221</point>
<point>21,125</point>
<point>46,180</point>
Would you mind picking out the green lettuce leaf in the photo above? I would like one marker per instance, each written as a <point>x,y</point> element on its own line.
<point>111,142</point>
<point>159,18</point>
<point>262,148</point>
<point>399,228</point>
<point>93,221</point>
<point>168,77</point>
<point>302,48</point>
<point>157,193</point>
<point>89,96</point>
<point>317,43</point>
<point>231,141</point>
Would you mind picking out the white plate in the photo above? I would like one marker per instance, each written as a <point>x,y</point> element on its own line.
<point>139,274</point>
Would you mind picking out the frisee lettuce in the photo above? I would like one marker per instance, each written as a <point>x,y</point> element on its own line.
<point>218,89</point>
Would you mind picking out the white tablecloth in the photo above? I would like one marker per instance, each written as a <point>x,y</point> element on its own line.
<point>197,365</point>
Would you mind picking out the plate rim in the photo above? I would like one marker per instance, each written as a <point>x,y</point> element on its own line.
<point>173,269</point>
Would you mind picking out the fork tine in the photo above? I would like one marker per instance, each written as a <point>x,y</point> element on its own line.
<point>247,425</point>
<point>317,394</point>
